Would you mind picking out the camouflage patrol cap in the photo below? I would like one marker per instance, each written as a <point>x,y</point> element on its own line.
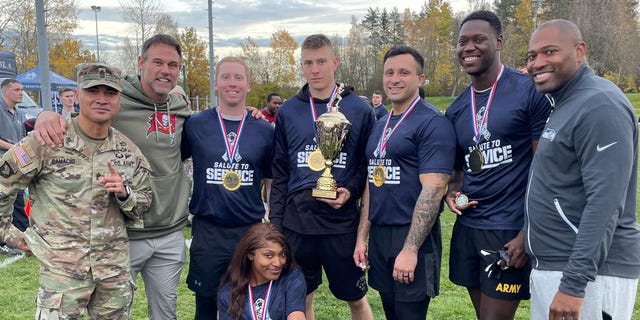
<point>95,74</point>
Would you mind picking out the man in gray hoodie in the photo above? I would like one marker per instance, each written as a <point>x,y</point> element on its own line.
<point>153,119</point>
<point>581,230</point>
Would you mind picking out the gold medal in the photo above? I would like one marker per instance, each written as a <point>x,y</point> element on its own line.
<point>379,176</point>
<point>316,160</point>
<point>476,159</point>
<point>231,180</point>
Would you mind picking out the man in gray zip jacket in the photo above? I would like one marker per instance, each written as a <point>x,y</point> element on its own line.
<point>581,230</point>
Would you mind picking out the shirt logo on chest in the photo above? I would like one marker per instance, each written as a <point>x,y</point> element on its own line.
<point>549,134</point>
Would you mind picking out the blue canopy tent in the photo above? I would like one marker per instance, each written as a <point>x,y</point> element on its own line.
<point>30,80</point>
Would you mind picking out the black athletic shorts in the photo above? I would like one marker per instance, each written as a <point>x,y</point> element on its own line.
<point>467,265</point>
<point>347,282</point>
<point>385,242</point>
<point>211,251</point>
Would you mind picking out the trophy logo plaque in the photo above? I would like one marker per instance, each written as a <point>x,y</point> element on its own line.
<point>331,131</point>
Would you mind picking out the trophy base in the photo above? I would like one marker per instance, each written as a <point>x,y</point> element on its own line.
<point>327,194</point>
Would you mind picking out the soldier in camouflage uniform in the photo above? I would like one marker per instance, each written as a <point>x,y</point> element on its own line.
<point>84,195</point>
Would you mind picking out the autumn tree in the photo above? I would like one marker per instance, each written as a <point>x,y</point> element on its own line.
<point>65,55</point>
<point>516,34</point>
<point>18,26</point>
<point>430,32</point>
<point>283,68</point>
<point>195,62</point>
<point>273,69</point>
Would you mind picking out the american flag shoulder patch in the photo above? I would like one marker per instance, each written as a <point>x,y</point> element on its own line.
<point>22,157</point>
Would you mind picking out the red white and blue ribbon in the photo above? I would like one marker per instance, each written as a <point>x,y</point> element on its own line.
<point>231,148</point>
<point>477,127</point>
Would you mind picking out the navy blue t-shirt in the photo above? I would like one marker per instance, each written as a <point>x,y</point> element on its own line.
<point>203,141</point>
<point>380,111</point>
<point>423,143</point>
<point>292,205</point>
<point>516,118</point>
<point>296,133</point>
<point>288,294</point>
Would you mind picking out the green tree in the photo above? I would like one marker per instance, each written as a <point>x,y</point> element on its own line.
<point>431,32</point>
<point>505,10</point>
<point>516,35</point>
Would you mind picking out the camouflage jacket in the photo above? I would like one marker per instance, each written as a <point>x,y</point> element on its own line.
<point>75,224</point>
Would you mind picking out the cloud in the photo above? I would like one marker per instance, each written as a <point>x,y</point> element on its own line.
<point>234,20</point>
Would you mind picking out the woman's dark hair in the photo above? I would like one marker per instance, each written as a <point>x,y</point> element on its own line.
<point>240,267</point>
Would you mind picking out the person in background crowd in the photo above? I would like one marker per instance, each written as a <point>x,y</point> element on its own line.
<point>178,91</point>
<point>378,107</point>
<point>66,96</point>
<point>273,103</point>
<point>11,131</point>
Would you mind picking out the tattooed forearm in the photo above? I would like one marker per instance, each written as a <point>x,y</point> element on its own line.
<point>426,211</point>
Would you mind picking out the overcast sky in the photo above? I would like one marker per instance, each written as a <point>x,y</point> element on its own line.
<point>236,19</point>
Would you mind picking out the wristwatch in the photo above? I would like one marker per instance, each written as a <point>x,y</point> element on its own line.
<point>127,191</point>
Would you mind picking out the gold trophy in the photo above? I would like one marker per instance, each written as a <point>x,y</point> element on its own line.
<point>331,131</point>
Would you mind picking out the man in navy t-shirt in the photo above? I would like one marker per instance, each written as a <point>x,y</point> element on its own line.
<point>499,116</point>
<point>410,156</point>
<point>378,106</point>
<point>322,232</point>
<point>232,154</point>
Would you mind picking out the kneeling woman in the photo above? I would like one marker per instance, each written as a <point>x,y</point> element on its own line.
<point>262,281</point>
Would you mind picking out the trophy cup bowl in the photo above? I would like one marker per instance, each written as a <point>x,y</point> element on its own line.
<point>331,131</point>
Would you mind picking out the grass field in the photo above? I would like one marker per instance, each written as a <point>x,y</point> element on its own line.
<point>19,283</point>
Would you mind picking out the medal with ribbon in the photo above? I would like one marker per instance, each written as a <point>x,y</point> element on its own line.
<point>379,173</point>
<point>254,312</point>
<point>231,180</point>
<point>476,158</point>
